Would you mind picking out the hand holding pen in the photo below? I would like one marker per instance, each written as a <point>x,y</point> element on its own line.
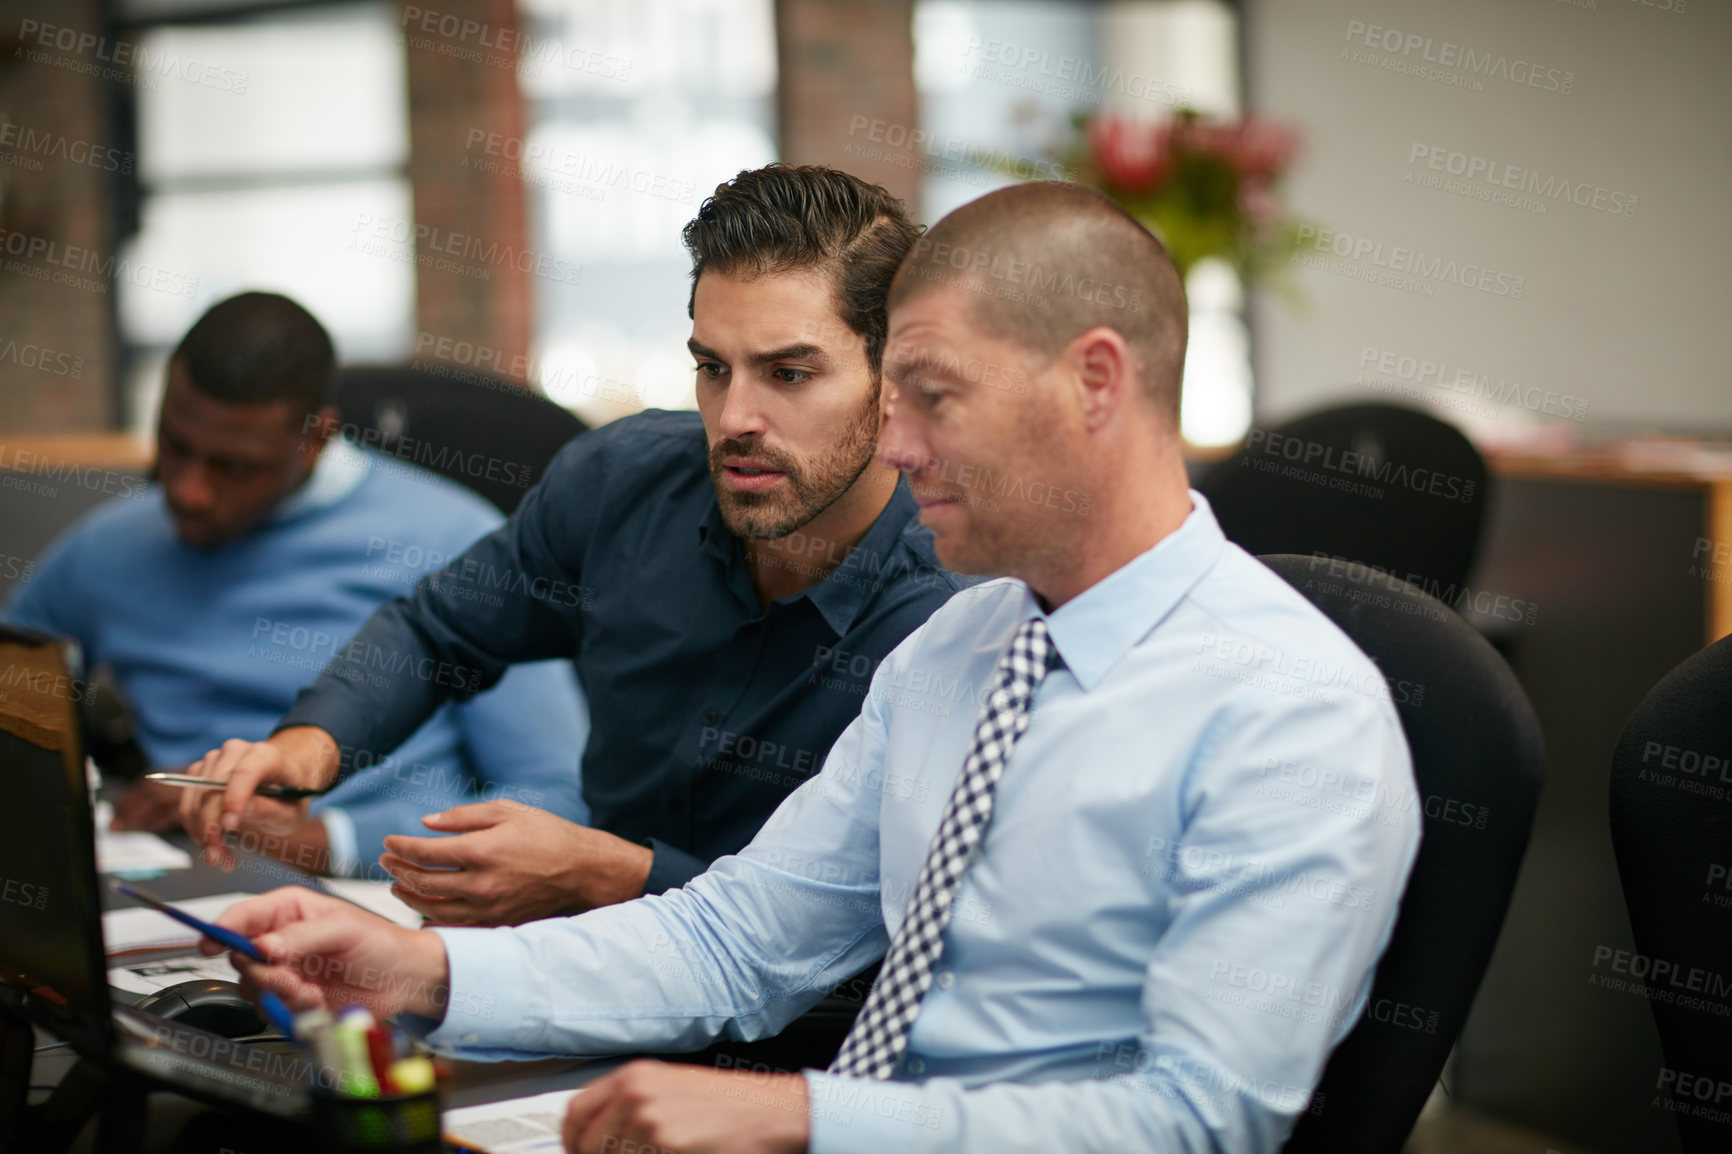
<point>321,951</point>
<point>357,1055</point>
<point>302,758</point>
<point>275,792</point>
<point>226,938</point>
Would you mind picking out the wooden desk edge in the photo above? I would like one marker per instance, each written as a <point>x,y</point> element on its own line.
<point>1717,536</point>
<point>25,452</point>
<point>1601,470</point>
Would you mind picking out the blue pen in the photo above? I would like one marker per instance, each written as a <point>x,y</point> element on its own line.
<point>278,1012</point>
<point>237,942</point>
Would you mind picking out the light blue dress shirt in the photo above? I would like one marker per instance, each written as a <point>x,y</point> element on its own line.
<point>1195,860</point>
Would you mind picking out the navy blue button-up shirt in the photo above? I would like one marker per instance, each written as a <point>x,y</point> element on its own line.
<point>706,711</point>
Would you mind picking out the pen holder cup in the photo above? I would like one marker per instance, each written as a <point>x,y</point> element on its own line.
<point>403,1124</point>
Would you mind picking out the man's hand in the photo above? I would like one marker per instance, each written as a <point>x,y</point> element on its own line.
<point>147,805</point>
<point>303,757</point>
<point>511,863</point>
<point>307,847</point>
<point>322,951</point>
<point>691,1110</point>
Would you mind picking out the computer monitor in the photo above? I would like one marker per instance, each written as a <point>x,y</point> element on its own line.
<point>52,967</point>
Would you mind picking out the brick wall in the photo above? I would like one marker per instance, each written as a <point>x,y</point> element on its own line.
<point>57,353</point>
<point>462,81</point>
<point>844,62</point>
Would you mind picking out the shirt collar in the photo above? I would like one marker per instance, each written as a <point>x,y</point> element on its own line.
<point>841,595</point>
<point>341,467</point>
<point>1098,626</point>
<point>714,536</point>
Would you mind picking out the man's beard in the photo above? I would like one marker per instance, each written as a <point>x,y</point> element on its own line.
<point>812,486</point>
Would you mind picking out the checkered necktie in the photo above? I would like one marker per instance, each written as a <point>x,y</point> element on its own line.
<point>880,1034</point>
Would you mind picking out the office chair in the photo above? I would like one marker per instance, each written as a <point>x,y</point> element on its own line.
<point>105,719</point>
<point>1386,485</point>
<point>484,431</point>
<point>1671,816</point>
<point>1476,763</point>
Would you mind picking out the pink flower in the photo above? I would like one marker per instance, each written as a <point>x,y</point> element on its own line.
<point>1258,150</point>
<point>1265,149</point>
<point>1133,156</point>
<point>1209,137</point>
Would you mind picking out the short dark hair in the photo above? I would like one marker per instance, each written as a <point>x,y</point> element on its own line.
<point>256,348</point>
<point>1046,261</point>
<point>781,218</point>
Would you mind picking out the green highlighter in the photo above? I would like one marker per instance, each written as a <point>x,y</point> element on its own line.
<point>351,1034</point>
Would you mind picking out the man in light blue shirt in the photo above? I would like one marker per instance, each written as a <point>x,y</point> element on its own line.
<point>1193,857</point>
<point>215,595</point>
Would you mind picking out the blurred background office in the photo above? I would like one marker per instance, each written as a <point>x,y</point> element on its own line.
<point>1508,215</point>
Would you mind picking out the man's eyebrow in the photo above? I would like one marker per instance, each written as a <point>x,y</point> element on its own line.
<point>165,431</point>
<point>799,352</point>
<point>905,368</point>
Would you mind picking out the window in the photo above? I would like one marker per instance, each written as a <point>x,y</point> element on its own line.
<point>1000,83</point>
<point>636,112</point>
<point>262,141</point>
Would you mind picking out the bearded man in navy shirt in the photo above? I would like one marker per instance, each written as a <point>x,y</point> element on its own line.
<point>726,582</point>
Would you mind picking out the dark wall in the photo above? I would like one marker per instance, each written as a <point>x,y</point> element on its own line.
<point>1608,568</point>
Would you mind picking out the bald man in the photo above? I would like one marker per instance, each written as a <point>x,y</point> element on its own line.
<point>1079,824</point>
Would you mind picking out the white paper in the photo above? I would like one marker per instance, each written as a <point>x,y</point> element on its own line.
<point>515,1126</point>
<point>149,977</point>
<point>375,896</point>
<point>133,851</point>
<point>137,852</point>
<point>148,929</point>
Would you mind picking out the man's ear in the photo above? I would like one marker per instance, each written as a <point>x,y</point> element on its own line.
<point>317,429</point>
<point>1101,366</point>
<point>886,397</point>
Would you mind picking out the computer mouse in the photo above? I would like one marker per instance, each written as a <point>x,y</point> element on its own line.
<point>206,1004</point>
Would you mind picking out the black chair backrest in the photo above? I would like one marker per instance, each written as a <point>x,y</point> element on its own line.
<point>484,431</point>
<point>1383,484</point>
<point>1671,801</point>
<point>1476,762</point>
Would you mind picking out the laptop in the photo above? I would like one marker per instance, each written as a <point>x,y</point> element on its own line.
<point>53,971</point>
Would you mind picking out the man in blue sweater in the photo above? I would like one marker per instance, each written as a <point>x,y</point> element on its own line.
<point>219,592</point>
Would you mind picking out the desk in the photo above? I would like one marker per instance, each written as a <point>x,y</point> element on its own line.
<point>170,1115</point>
<point>1704,479</point>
